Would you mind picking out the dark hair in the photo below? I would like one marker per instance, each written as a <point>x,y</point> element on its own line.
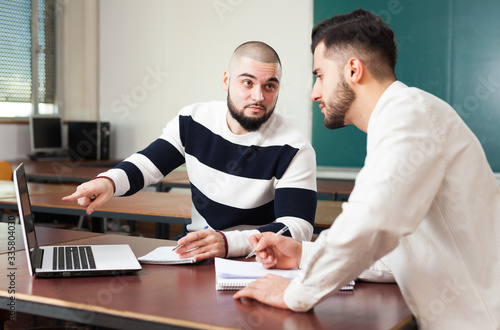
<point>363,33</point>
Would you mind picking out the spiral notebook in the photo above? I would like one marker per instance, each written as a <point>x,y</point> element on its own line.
<point>164,256</point>
<point>235,275</point>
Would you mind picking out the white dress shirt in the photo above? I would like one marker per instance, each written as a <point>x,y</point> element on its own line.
<point>427,199</point>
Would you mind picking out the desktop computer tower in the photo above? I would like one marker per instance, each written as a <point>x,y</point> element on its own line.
<point>88,140</point>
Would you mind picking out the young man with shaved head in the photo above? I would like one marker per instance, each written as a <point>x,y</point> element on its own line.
<point>246,164</point>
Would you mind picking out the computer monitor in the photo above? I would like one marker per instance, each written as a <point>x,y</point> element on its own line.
<point>88,139</point>
<point>46,134</point>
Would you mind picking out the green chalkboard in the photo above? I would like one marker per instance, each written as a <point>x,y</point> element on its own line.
<point>449,48</point>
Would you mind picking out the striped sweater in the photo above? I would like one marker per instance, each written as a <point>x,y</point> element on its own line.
<point>262,179</point>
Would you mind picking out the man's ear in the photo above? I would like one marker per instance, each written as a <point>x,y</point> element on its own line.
<point>225,81</point>
<point>356,69</point>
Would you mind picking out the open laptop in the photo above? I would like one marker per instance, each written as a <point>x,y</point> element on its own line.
<point>67,261</point>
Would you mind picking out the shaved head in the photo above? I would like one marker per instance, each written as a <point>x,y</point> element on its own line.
<point>254,50</point>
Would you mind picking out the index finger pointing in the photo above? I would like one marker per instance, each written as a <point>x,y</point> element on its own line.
<point>74,196</point>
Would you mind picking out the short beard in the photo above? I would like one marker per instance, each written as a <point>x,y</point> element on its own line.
<point>248,124</point>
<point>344,97</point>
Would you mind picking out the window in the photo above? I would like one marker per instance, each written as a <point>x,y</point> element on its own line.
<point>27,57</point>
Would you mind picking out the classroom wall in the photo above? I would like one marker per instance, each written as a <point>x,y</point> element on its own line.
<point>15,141</point>
<point>157,56</point>
<point>78,59</point>
<point>137,63</point>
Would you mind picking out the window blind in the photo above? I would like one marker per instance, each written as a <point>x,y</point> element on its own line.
<point>16,77</point>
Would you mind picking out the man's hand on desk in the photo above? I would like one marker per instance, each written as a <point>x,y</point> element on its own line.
<point>92,194</point>
<point>268,290</point>
<point>202,244</point>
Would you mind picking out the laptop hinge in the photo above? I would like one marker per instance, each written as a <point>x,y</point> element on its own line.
<point>37,258</point>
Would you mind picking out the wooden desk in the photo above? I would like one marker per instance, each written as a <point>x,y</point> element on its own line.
<point>174,179</point>
<point>142,206</point>
<point>184,296</point>
<point>338,190</point>
<point>71,162</point>
<point>59,171</point>
<point>7,190</point>
<point>79,172</point>
<point>326,213</point>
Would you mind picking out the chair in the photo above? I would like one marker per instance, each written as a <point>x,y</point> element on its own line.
<point>5,171</point>
<point>6,175</point>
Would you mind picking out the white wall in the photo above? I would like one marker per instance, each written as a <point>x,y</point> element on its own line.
<point>137,63</point>
<point>15,141</point>
<point>157,56</point>
<point>77,62</point>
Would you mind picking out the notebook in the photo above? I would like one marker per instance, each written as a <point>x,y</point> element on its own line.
<point>235,275</point>
<point>67,261</point>
<point>164,255</point>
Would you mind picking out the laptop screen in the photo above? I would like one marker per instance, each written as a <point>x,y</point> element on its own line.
<point>27,222</point>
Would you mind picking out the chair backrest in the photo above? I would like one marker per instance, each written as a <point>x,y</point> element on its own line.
<point>5,171</point>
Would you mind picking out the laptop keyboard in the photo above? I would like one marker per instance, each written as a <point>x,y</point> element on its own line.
<point>73,257</point>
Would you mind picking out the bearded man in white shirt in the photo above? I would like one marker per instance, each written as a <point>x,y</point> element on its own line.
<point>426,197</point>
